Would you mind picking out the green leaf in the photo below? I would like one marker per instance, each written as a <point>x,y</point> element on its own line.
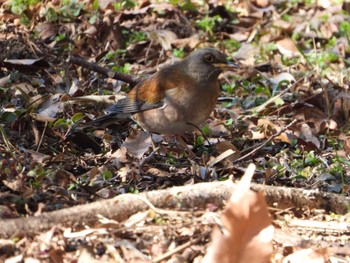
<point>59,122</point>
<point>95,5</point>
<point>179,53</point>
<point>77,117</point>
<point>279,101</point>
<point>200,140</point>
<point>107,175</point>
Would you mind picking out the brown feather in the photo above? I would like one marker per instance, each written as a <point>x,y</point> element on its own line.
<point>153,89</point>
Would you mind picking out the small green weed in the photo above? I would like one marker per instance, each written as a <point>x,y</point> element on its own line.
<point>208,23</point>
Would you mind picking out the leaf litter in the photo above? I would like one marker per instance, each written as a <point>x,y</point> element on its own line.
<point>290,120</point>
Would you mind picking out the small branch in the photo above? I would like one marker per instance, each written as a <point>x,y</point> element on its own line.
<point>190,197</point>
<point>176,250</point>
<point>266,142</point>
<point>132,80</point>
<point>339,227</point>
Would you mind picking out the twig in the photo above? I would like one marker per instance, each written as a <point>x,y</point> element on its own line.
<point>190,197</point>
<point>176,250</point>
<point>5,138</point>
<point>132,80</point>
<point>159,210</point>
<point>266,103</point>
<point>339,227</point>
<point>266,142</point>
<point>42,137</point>
<point>148,158</point>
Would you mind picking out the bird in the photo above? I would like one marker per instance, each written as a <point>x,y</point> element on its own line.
<point>177,98</point>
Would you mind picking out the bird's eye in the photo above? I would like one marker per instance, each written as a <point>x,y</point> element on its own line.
<point>209,58</point>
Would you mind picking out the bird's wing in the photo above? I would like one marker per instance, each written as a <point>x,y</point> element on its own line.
<point>130,106</point>
<point>147,95</point>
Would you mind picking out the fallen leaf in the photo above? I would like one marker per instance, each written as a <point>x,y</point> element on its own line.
<point>5,80</point>
<point>248,233</point>
<point>287,47</point>
<point>51,106</point>
<point>163,37</point>
<point>137,144</point>
<point>224,146</point>
<point>307,135</point>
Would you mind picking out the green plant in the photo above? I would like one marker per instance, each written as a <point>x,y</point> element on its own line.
<point>115,54</point>
<point>170,160</point>
<point>231,45</point>
<point>136,37</point>
<point>124,4</point>
<point>331,42</point>
<point>106,175</point>
<point>133,190</point>
<point>159,220</point>
<point>179,53</point>
<point>321,59</point>
<point>122,69</point>
<point>95,5</point>
<point>344,29</point>
<point>266,51</point>
<point>229,122</point>
<point>66,123</point>
<point>288,61</point>
<point>38,174</point>
<point>71,8</point>
<point>199,140</point>
<point>18,7</point>
<point>185,5</point>
<point>286,17</point>
<point>261,89</point>
<point>60,37</point>
<point>50,14</point>
<point>208,23</point>
<point>229,88</point>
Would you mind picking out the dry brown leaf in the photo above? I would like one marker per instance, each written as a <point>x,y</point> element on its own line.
<point>218,129</point>
<point>104,3</point>
<point>262,3</point>
<point>223,146</point>
<point>248,232</point>
<point>51,106</point>
<point>307,135</point>
<point>158,7</point>
<point>282,24</point>
<point>119,157</point>
<point>316,117</point>
<point>287,47</point>
<point>6,213</point>
<point>190,42</point>
<point>87,254</point>
<point>137,145</point>
<point>163,37</point>
<point>266,129</point>
<point>91,31</point>
<point>5,80</point>
<point>307,256</point>
<point>247,53</point>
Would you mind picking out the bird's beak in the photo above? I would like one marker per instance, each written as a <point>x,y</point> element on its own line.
<point>228,65</point>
